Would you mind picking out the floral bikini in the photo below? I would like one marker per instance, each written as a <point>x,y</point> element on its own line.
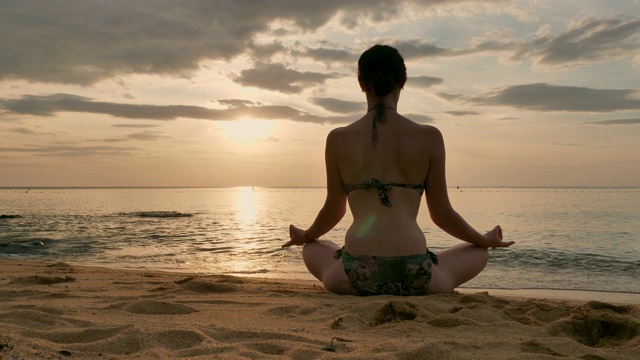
<point>388,275</point>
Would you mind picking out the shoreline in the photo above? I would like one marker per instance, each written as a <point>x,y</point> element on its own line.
<point>56,310</point>
<point>538,293</point>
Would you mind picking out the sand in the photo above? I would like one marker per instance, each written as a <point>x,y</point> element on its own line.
<point>60,311</point>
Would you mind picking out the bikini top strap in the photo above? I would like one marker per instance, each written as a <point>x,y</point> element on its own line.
<point>419,188</point>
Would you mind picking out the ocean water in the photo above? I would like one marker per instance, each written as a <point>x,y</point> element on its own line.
<point>566,238</point>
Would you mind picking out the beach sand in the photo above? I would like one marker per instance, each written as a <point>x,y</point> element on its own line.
<point>60,311</point>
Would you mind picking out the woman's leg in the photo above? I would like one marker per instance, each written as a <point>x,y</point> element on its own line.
<point>456,266</point>
<point>318,257</point>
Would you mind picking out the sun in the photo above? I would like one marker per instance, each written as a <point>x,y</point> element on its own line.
<point>247,130</point>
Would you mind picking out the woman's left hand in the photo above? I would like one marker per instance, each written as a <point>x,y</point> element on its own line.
<point>494,238</point>
<point>297,237</point>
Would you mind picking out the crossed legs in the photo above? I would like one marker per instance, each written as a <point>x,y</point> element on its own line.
<point>456,266</point>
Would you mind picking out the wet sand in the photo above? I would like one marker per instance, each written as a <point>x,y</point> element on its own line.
<point>59,311</point>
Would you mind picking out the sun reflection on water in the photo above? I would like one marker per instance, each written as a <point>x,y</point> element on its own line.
<point>246,206</point>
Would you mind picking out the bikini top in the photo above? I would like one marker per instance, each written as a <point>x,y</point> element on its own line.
<point>382,187</point>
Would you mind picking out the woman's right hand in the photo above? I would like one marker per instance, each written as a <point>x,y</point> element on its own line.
<point>493,238</point>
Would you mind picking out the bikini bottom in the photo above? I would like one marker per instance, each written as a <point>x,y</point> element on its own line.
<point>388,275</point>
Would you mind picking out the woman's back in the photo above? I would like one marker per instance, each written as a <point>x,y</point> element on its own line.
<point>399,157</point>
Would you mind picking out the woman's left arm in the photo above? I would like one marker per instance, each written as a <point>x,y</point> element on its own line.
<point>335,204</point>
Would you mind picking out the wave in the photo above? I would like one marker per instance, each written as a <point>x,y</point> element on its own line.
<point>36,245</point>
<point>157,214</point>
<point>555,260</point>
<point>249,272</point>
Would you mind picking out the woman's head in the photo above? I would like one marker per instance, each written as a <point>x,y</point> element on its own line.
<point>380,68</point>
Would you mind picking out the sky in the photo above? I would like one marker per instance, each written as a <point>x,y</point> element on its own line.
<point>243,93</point>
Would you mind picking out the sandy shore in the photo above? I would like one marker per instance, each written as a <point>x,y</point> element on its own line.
<point>60,311</point>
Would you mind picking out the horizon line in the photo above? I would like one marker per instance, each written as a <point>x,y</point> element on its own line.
<point>320,187</point>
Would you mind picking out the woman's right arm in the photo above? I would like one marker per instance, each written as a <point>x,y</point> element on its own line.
<point>440,209</point>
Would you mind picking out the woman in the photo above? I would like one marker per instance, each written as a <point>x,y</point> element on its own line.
<point>382,164</point>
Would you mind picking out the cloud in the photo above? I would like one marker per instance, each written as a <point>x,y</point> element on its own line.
<point>266,51</point>
<point>135,125</point>
<point>148,135</point>
<point>277,77</point>
<point>450,97</point>
<point>633,121</point>
<point>544,97</point>
<point>235,102</point>
<point>328,56</point>
<point>27,131</point>
<point>339,106</point>
<point>588,41</point>
<point>88,41</point>
<point>70,151</point>
<point>111,140</point>
<point>423,119</point>
<point>50,105</point>
<point>24,131</point>
<point>418,48</point>
<point>424,81</point>
<point>461,113</point>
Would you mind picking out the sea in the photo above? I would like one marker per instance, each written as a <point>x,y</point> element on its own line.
<point>566,238</point>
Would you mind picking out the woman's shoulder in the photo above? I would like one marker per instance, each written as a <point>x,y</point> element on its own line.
<point>345,130</point>
<point>429,131</point>
<point>432,136</point>
<point>428,137</point>
<point>337,135</point>
<point>336,132</point>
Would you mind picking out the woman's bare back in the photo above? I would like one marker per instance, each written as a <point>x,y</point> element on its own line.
<point>401,156</point>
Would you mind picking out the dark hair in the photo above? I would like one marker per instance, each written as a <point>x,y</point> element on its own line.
<point>381,67</point>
